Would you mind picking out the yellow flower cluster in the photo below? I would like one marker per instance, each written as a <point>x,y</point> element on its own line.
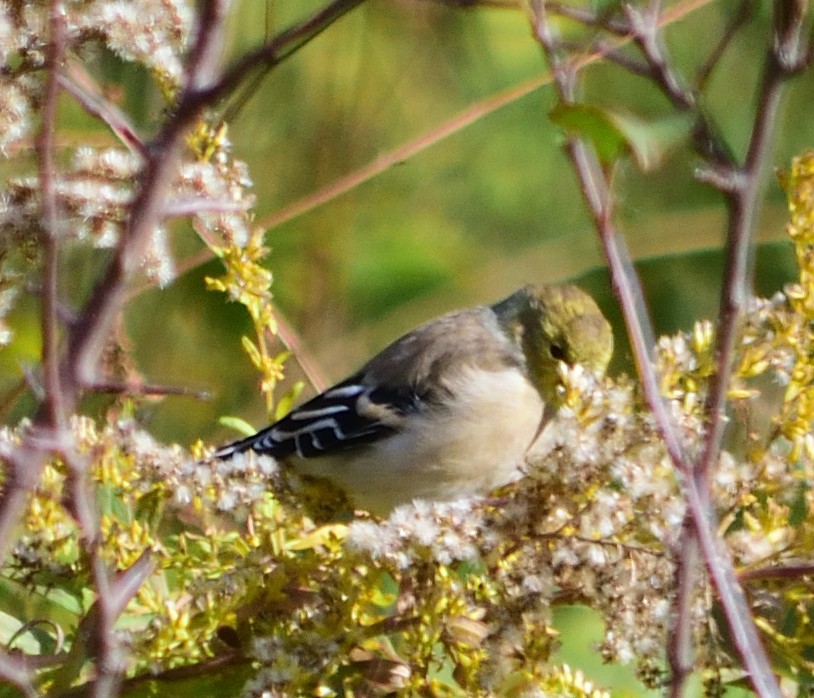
<point>451,599</point>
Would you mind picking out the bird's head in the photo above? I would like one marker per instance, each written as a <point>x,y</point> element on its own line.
<point>553,324</point>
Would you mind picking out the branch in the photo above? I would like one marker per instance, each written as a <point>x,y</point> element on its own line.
<point>54,408</point>
<point>604,20</point>
<point>745,11</point>
<point>679,647</point>
<point>457,122</point>
<point>95,638</point>
<point>644,25</point>
<point>146,389</point>
<point>164,679</point>
<point>790,571</point>
<point>787,55</point>
<point>13,671</point>
<point>90,332</point>
<point>270,55</point>
<point>646,31</point>
<point>292,341</point>
<point>628,290</point>
<point>79,84</point>
<point>24,465</point>
<point>626,286</point>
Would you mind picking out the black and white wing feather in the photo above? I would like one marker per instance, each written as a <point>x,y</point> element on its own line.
<point>345,416</point>
<point>415,374</point>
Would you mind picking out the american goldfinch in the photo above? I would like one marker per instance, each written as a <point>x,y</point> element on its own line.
<point>448,410</point>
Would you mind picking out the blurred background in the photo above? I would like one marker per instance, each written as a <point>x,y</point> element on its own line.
<point>490,205</point>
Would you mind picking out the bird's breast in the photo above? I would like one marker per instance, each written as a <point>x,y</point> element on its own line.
<point>475,441</point>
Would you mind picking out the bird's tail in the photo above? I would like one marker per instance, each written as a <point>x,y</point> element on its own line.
<point>235,447</point>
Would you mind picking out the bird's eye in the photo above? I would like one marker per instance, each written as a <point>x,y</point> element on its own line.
<point>557,352</point>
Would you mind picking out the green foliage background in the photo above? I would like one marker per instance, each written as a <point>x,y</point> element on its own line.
<point>483,211</point>
<point>491,207</point>
<point>486,209</point>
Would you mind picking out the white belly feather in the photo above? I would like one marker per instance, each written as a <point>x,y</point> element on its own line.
<point>462,449</point>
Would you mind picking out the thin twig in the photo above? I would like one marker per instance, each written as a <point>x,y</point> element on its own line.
<point>627,288</point>
<point>646,27</point>
<point>789,571</point>
<point>292,341</point>
<point>745,11</point>
<point>91,330</point>
<point>736,608</point>
<point>56,628</point>
<point>80,499</point>
<point>679,647</point>
<point>625,282</point>
<point>715,554</point>
<point>146,389</point>
<point>632,65</point>
<point>127,582</point>
<point>80,85</point>
<point>13,671</point>
<point>271,54</point>
<point>782,61</point>
<point>89,333</point>
<point>646,31</point>
<point>108,659</point>
<point>195,206</point>
<point>9,400</point>
<point>603,20</point>
<point>391,158</point>
<point>458,121</point>
<point>164,679</point>
<point>471,4</point>
<point>424,141</point>
<point>24,465</point>
<point>53,405</point>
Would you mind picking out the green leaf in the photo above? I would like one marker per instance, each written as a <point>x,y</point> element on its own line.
<point>286,402</point>
<point>251,349</point>
<point>239,425</point>
<point>614,135</point>
<point>594,125</point>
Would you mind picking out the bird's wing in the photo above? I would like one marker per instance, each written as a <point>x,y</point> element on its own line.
<point>413,375</point>
<point>345,416</point>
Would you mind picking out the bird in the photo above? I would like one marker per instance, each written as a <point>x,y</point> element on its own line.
<point>450,409</point>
